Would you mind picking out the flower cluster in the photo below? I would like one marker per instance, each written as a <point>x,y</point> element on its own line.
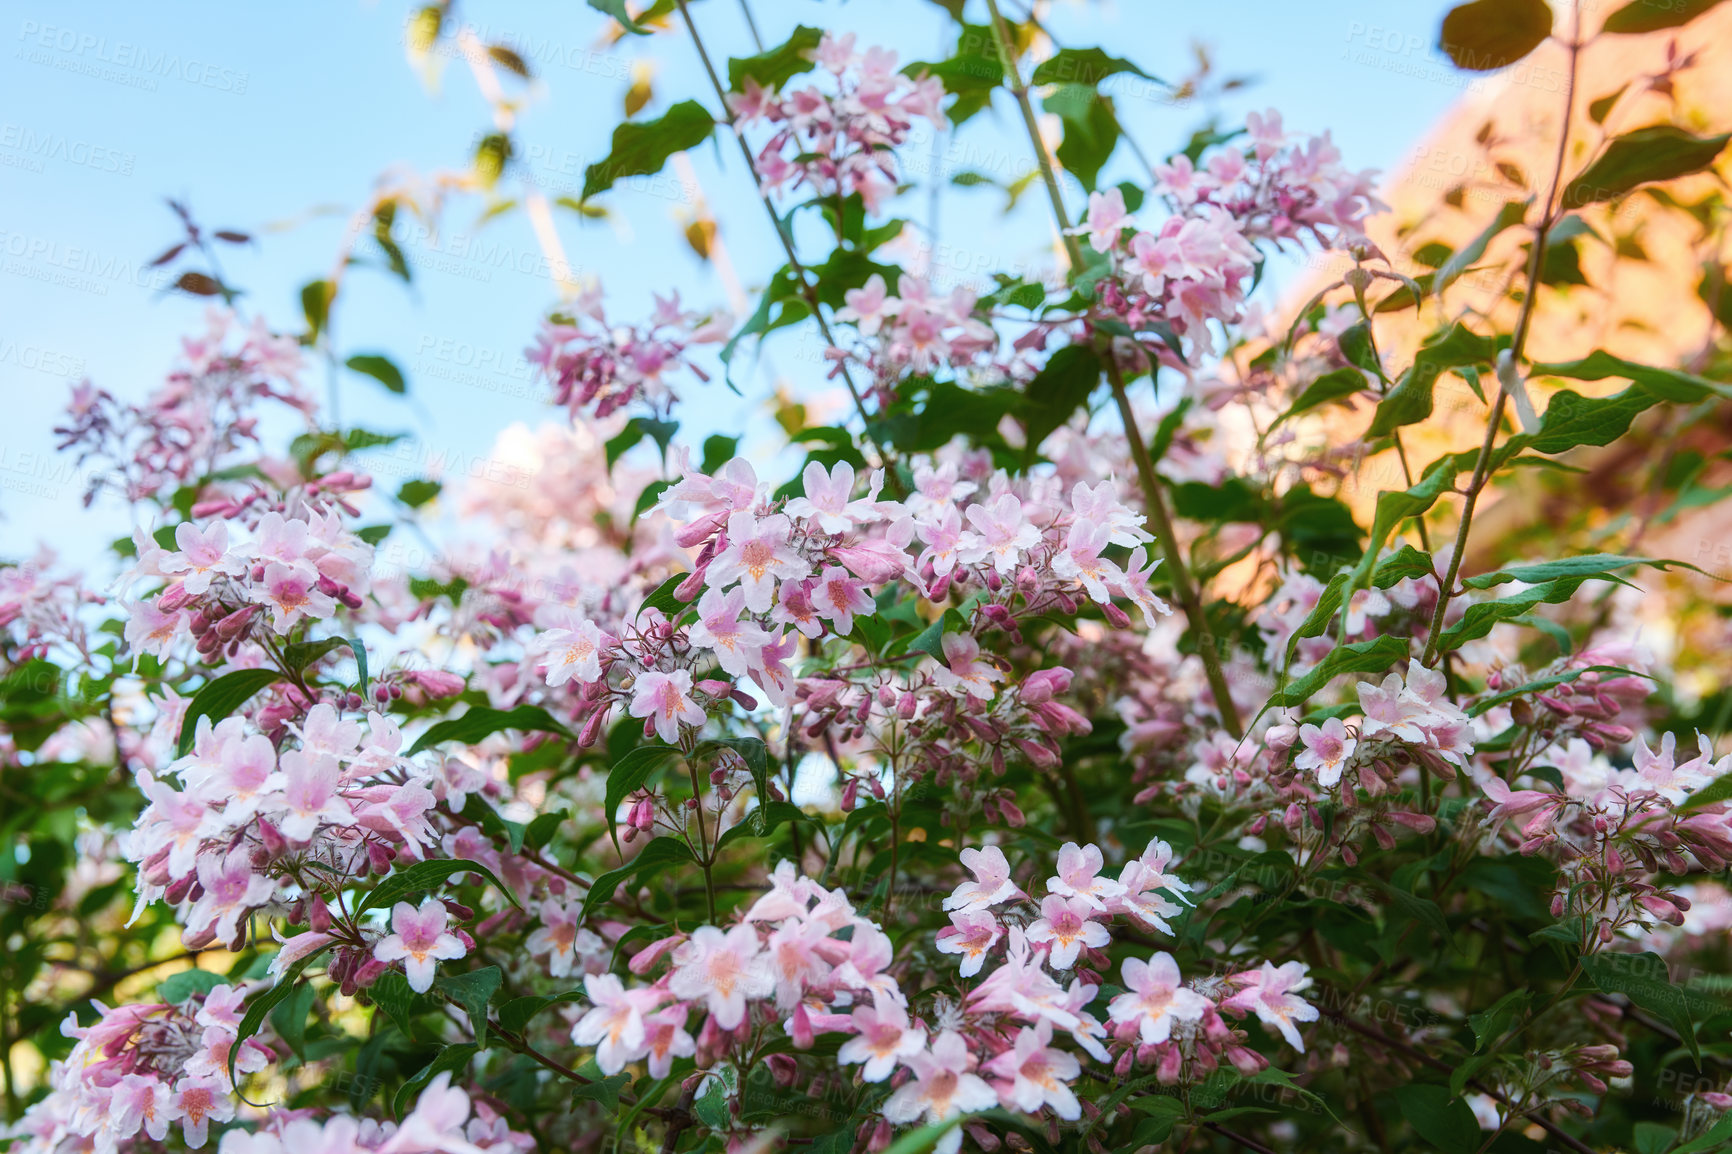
<point>598,367</point>
<point>1193,270</point>
<point>840,142</point>
<point>143,1068</point>
<point>251,826</point>
<point>299,563</point>
<point>195,421</point>
<point>916,332</point>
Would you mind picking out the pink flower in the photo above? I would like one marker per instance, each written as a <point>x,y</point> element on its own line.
<point>667,697</point>
<point>1106,217</point>
<point>231,890</point>
<point>1154,998</point>
<point>827,498</point>
<point>838,597</point>
<point>770,669</point>
<point>1328,749</point>
<point>1033,1074</point>
<point>292,595</point>
<point>867,307</point>
<point>562,938</point>
<point>758,556</point>
<point>796,960</point>
<point>204,555</point>
<point>963,672</point>
<point>419,940</point>
<point>575,652</point>
<point>1389,708</point>
<point>150,630</point>
<point>724,969</point>
<point>434,1126</point>
<point>972,935</point>
<point>943,1087</point>
<point>615,1023</point>
<point>1003,533</point>
<point>735,643</point>
<point>1080,560</point>
<point>1065,923</point>
<point>195,1103</point>
<point>1079,870</point>
<point>884,1037</point>
<point>309,785</point>
<point>1270,993</point>
<point>1146,882</point>
<point>991,883</point>
<point>794,607</point>
<point>1134,587</point>
<point>665,1038</point>
<point>945,538</point>
<point>140,1101</point>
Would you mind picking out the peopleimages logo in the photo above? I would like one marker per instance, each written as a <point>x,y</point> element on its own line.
<point>83,52</point>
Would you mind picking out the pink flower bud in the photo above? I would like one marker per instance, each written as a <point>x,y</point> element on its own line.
<point>700,530</point>
<point>689,589</point>
<point>1115,616</point>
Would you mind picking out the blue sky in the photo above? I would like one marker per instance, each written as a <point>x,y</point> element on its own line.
<point>277,120</point>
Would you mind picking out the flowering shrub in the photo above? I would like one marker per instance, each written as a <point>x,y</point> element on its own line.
<point>1016,771</point>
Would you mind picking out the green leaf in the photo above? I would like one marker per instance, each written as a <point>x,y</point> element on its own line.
<point>481,722</point>
<point>1645,980</point>
<point>1666,384</point>
<point>1372,656</point>
<point>971,74</point>
<point>316,298</point>
<point>474,992</point>
<point>1439,1117</point>
<point>451,1059</point>
<point>1087,66</point>
<point>930,640</point>
<point>267,1001</point>
<point>1480,617</point>
<point>423,877</point>
<point>177,988</point>
<point>220,698</point>
<point>1398,566</point>
<point>775,67</point>
<point>1485,35</point>
<point>381,369</point>
<point>401,1004</point>
<point>1411,401</point>
<point>1659,152</point>
<point>655,857</point>
<point>1091,130</point>
<point>617,9</point>
<point>1640,16</point>
<point>1334,386</point>
<point>417,492</point>
<point>1497,1021</point>
<point>663,598</point>
<point>640,148</point>
<point>289,1019</point>
<point>1510,215</point>
<point>519,1012</point>
<point>1058,390</point>
<point>711,1107</point>
<point>628,774</point>
<point>603,1090</point>
<point>1317,621</point>
<point>1586,565</point>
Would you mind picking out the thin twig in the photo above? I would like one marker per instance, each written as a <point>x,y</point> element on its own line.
<point>808,289</point>
<point>1153,491</point>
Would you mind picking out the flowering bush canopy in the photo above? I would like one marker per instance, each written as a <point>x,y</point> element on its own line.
<point>1044,762</point>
